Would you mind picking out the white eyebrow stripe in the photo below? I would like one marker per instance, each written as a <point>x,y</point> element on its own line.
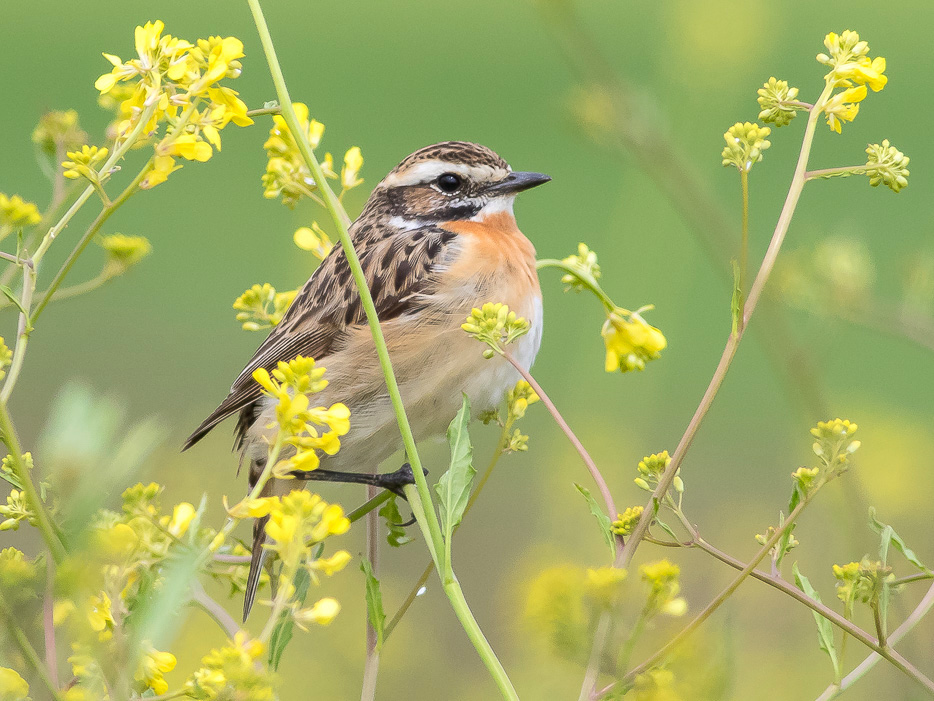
<point>426,171</point>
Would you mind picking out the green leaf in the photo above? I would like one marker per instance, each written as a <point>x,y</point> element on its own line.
<point>665,527</point>
<point>282,633</point>
<point>824,628</point>
<point>890,537</point>
<point>736,304</point>
<point>785,541</point>
<point>397,535</point>
<point>8,293</point>
<point>374,602</point>
<point>602,519</point>
<point>454,486</point>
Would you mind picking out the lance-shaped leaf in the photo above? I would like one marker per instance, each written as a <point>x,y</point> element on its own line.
<point>602,519</point>
<point>374,603</point>
<point>454,486</point>
<point>890,537</point>
<point>824,628</point>
<point>396,535</point>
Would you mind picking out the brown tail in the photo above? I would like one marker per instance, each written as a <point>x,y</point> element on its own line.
<point>256,565</point>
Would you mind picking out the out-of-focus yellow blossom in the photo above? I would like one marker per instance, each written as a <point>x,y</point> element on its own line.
<point>651,468</point>
<point>789,545</point>
<point>775,100</point>
<point>805,477</point>
<point>495,325</point>
<point>12,686</point>
<point>886,165</point>
<point>353,162</point>
<point>745,143</point>
<point>16,213</point>
<point>835,443</point>
<point>656,684</point>
<point>322,613</point>
<point>555,606</point>
<point>15,511</point>
<point>518,442</point>
<point>123,251</point>
<point>603,585</point>
<point>15,570</point>
<point>82,163</point>
<point>519,398</point>
<point>626,521</point>
<point>58,132</point>
<point>286,173</point>
<point>152,668</point>
<point>236,574</point>
<point>261,307</point>
<point>630,341</point>
<point>142,499</point>
<point>313,239</point>
<point>585,264</point>
<point>116,542</point>
<point>182,516</point>
<point>298,520</point>
<point>100,616</point>
<point>162,167</point>
<point>233,672</point>
<point>862,581</point>
<point>843,107</point>
<point>6,357</point>
<point>664,586</point>
<point>187,146</point>
<point>330,565</point>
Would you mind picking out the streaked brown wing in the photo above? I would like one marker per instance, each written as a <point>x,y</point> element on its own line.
<point>401,270</point>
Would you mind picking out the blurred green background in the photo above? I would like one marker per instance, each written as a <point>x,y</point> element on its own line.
<point>392,77</point>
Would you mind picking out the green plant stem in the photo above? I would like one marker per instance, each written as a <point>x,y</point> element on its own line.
<point>589,281</point>
<point>28,651</point>
<point>200,598</point>
<point>264,110</point>
<point>426,573</point>
<point>578,446</point>
<point>920,577</point>
<point>83,288</point>
<point>765,270</point>
<point>920,611</point>
<point>428,519</point>
<point>369,505</point>
<point>43,521</point>
<point>744,242</point>
<point>604,624</point>
<point>834,172</point>
<point>371,664</point>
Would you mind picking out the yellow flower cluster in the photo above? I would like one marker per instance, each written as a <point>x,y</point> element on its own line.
<point>12,686</point>
<point>651,468</point>
<point>58,132</point>
<point>290,384</point>
<point>261,307</point>
<point>15,511</point>
<point>886,165</point>
<point>6,357</point>
<point>834,443</point>
<point>496,326</point>
<point>518,400</point>
<point>233,672</point>
<point>287,176</point>
<point>16,213</point>
<point>173,79</point>
<point>861,581</point>
<point>585,264</point>
<point>778,102</point>
<point>83,162</point>
<point>745,143</point>
<point>123,252</point>
<point>851,69</point>
<point>663,578</point>
<point>313,239</point>
<point>630,341</point>
<point>626,522</point>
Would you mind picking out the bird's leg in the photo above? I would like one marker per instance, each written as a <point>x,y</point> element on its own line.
<point>392,481</point>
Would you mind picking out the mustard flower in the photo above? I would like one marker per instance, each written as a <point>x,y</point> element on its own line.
<point>12,686</point>
<point>518,399</point>
<point>843,107</point>
<point>656,684</point>
<point>123,252</point>
<point>162,167</point>
<point>662,578</point>
<point>100,616</point>
<point>15,511</point>
<point>556,608</point>
<point>322,613</point>
<point>775,100</point>
<point>6,357</point>
<point>58,131</point>
<point>518,443</point>
<point>496,326</point>
<point>313,239</point>
<point>805,479</point>
<point>261,307</point>
<point>835,443</point>
<point>887,166</point>
<point>287,176</point>
<point>15,570</point>
<point>142,499</point>
<point>630,341</point>
<point>16,213</point>
<point>584,263</point>
<point>353,162</point>
<point>182,516</point>
<point>847,55</point>
<point>330,565</point>
<point>862,581</point>
<point>82,163</point>
<point>603,585</point>
<point>233,672</point>
<point>151,669</point>
<point>745,143</point>
<point>626,522</point>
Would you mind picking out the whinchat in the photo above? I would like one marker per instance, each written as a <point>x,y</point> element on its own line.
<point>436,238</point>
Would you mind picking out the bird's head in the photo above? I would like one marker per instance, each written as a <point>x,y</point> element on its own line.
<point>453,180</point>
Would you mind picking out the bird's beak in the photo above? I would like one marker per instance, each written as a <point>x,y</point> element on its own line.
<point>517,182</point>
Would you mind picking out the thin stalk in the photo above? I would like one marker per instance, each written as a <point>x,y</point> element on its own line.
<point>596,656</point>
<point>578,446</point>
<point>43,520</point>
<point>48,624</point>
<point>589,282</point>
<point>369,505</point>
<point>263,110</point>
<point>428,519</point>
<point>921,610</point>
<point>744,241</point>
<point>765,270</point>
<point>200,598</point>
<point>28,651</point>
<point>82,288</point>
<point>833,172</point>
<point>371,665</point>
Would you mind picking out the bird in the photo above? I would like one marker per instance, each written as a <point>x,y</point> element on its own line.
<point>436,238</point>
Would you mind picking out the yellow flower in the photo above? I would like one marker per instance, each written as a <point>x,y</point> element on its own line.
<point>835,443</point>
<point>15,570</point>
<point>152,668</point>
<point>313,239</point>
<point>83,161</point>
<point>162,167</point>
<point>182,516</point>
<point>100,616</point>
<point>555,606</point>
<point>331,565</point>
<point>353,162</point>
<point>261,307</point>
<point>773,99</point>
<point>336,418</point>
<point>125,251</point>
<point>233,672</point>
<point>12,686</point>
<point>287,175</point>
<point>745,143</point>
<point>519,398</point>
<point>843,107</point>
<point>626,522</point>
<point>301,374</point>
<point>323,612</point>
<point>16,213</point>
<point>662,578</point>
<point>603,585</point>
<point>188,146</point>
<point>58,131</point>
<point>630,342</point>
<point>887,165</point>
<point>495,325</point>
<point>585,263</point>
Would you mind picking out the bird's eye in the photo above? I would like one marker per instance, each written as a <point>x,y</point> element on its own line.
<point>449,182</point>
